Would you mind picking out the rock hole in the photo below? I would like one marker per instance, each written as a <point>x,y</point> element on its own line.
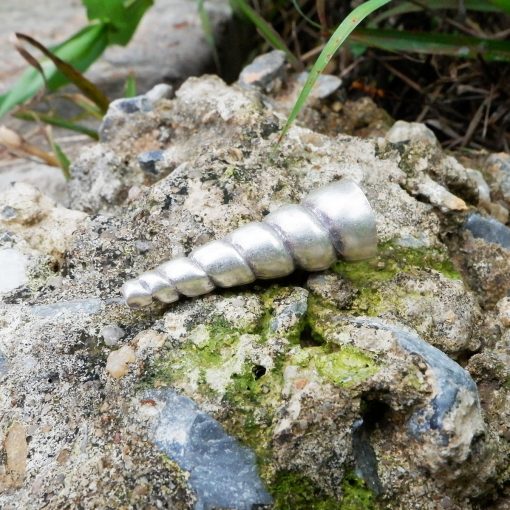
<point>258,371</point>
<point>309,338</point>
<point>374,414</point>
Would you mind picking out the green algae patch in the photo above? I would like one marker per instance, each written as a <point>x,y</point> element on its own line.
<point>252,399</point>
<point>356,495</point>
<point>293,491</point>
<point>207,347</point>
<point>347,367</point>
<point>393,259</point>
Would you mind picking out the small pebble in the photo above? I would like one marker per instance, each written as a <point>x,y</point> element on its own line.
<point>503,307</point>
<point>403,131</point>
<point>117,362</point>
<point>112,334</point>
<point>148,339</point>
<point>16,450</point>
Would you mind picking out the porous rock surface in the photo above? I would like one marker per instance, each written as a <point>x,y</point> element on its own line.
<point>376,384</point>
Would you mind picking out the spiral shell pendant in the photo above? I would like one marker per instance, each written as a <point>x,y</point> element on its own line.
<point>334,221</point>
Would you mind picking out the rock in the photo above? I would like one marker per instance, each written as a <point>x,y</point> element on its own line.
<point>4,365</point>
<point>47,179</point>
<point>223,473</point>
<point>14,269</point>
<point>488,229</point>
<point>448,423</point>
<point>117,362</point>
<point>484,192</point>
<point>16,451</point>
<point>335,383</point>
<point>403,131</point>
<point>439,196</point>
<point>333,288</point>
<point>500,212</point>
<point>111,334</point>
<point>503,307</point>
<point>266,72</point>
<point>148,340</point>
<point>325,85</point>
<point>160,91</point>
<point>81,307</point>
<point>497,167</point>
<point>44,225</point>
<point>149,162</point>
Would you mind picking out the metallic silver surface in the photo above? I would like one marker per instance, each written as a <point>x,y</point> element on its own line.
<point>307,239</point>
<point>161,288</point>
<point>187,276</point>
<point>223,263</point>
<point>344,210</point>
<point>335,221</point>
<point>263,248</point>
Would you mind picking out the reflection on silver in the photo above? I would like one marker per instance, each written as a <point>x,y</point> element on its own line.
<point>334,221</point>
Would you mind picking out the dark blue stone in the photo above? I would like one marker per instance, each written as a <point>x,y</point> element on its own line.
<point>223,472</point>
<point>148,161</point>
<point>488,229</point>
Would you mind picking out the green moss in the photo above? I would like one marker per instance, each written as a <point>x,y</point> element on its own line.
<point>356,495</point>
<point>346,367</point>
<point>218,341</point>
<point>393,259</point>
<point>252,401</point>
<point>293,491</point>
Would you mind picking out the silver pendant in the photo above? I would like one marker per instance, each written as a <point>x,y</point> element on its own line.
<point>334,221</point>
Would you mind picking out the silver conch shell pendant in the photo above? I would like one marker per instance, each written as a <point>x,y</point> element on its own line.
<point>334,221</point>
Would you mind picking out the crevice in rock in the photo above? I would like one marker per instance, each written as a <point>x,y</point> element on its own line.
<point>374,415</point>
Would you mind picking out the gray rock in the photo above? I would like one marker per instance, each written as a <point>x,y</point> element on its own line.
<point>112,334</point>
<point>403,131</point>
<point>265,72</point>
<point>81,307</point>
<point>484,191</point>
<point>4,365</point>
<point>456,399</point>
<point>223,473</point>
<point>315,382</point>
<point>325,85</point>
<point>488,229</point>
<point>14,264</point>
<point>149,162</point>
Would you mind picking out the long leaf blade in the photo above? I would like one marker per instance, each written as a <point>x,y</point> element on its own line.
<point>70,72</point>
<point>343,31</point>
<point>82,49</point>
<point>437,44</point>
<point>266,30</point>
<point>30,115</point>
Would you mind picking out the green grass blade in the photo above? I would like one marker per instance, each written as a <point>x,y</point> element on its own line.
<point>71,73</point>
<point>304,16</point>
<point>343,31</point>
<point>130,86</point>
<point>81,50</point>
<point>266,30</point>
<point>30,115</point>
<point>460,46</point>
<point>63,161</point>
<point>207,30</point>
<point>409,7</point>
